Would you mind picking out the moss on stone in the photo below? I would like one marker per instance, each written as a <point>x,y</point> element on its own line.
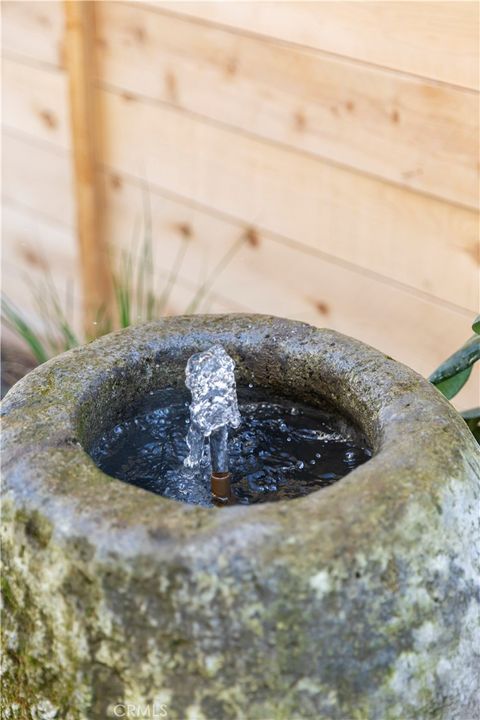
<point>359,601</point>
<point>7,594</point>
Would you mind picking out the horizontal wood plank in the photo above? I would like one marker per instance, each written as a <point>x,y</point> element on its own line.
<point>33,247</point>
<point>38,178</point>
<point>437,40</point>
<point>416,240</point>
<point>182,293</point>
<point>406,130</point>
<point>34,30</point>
<point>242,133</point>
<point>35,102</point>
<point>267,276</point>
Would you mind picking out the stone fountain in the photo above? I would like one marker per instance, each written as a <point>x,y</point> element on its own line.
<point>357,601</point>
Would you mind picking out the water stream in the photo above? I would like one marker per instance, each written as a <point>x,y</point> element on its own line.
<point>210,378</point>
<point>275,448</point>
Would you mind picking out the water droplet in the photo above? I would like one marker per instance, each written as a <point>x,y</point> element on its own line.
<point>151,447</point>
<point>350,456</point>
<point>329,476</point>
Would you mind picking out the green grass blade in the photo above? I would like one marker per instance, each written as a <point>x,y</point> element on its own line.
<point>18,324</point>
<point>123,290</point>
<point>103,321</point>
<point>150,301</point>
<point>140,281</point>
<point>65,329</point>
<point>50,333</point>
<point>173,275</point>
<point>207,285</point>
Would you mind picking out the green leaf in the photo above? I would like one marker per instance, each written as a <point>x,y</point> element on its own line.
<point>464,358</point>
<point>472,418</point>
<point>452,385</point>
<point>476,325</point>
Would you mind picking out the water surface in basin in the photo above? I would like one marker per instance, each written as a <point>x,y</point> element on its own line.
<point>281,450</point>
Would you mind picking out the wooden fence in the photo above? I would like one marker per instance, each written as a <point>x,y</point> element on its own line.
<point>334,145</point>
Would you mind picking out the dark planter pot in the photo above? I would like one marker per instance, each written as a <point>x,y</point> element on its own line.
<point>357,601</point>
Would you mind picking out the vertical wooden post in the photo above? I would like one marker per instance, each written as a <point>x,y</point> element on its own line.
<point>96,283</point>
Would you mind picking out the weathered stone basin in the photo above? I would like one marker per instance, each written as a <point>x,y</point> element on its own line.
<point>357,601</point>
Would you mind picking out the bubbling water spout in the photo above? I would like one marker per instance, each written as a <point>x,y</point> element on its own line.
<point>210,378</point>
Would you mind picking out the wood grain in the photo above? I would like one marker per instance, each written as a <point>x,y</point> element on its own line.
<point>35,102</point>
<point>335,140</point>
<point>38,178</point>
<point>269,276</point>
<point>96,284</point>
<point>34,30</point>
<point>33,247</point>
<point>407,130</point>
<point>437,40</point>
<point>418,241</point>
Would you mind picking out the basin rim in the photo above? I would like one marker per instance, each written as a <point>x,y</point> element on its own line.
<point>420,443</point>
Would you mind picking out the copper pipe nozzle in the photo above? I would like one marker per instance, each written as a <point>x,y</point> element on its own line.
<point>221,488</point>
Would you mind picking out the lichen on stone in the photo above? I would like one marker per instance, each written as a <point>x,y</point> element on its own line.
<point>359,601</point>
